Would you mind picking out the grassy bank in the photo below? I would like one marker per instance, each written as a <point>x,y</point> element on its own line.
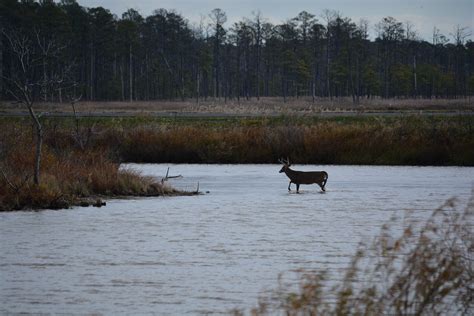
<point>69,176</point>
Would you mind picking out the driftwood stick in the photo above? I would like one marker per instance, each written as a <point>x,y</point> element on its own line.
<point>169,177</point>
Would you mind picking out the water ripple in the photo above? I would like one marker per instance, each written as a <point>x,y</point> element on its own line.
<point>210,253</point>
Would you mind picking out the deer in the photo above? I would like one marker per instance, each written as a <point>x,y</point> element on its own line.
<point>303,177</point>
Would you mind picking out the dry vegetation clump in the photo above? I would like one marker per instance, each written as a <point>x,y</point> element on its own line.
<point>69,176</point>
<point>428,270</point>
<point>407,141</point>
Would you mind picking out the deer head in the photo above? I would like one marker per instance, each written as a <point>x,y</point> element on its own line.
<point>286,164</point>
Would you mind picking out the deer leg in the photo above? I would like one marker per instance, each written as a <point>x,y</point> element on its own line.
<point>324,183</point>
<point>297,188</point>
<point>322,187</point>
<point>289,185</point>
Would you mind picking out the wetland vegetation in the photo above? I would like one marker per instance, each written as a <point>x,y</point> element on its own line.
<point>82,156</point>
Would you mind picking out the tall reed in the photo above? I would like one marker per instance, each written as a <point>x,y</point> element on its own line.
<point>398,142</point>
<point>427,270</point>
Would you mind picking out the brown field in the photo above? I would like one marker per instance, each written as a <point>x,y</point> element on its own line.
<point>264,106</point>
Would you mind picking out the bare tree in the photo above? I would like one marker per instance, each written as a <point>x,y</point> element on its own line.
<point>38,72</point>
<point>391,33</point>
<point>218,18</point>
<point>329,16</point>
<point>438,38</point>
<point>257,28</point>
<point>459,34</point>
<point>412,38</point>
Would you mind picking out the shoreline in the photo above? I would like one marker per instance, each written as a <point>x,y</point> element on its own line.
<point>82,156</point>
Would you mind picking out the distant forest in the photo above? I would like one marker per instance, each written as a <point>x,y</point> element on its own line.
<point>63,50</point>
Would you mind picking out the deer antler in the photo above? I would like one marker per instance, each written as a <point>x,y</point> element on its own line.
<point>283,161</point>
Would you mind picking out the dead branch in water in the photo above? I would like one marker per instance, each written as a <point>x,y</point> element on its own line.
<point>169,177</point>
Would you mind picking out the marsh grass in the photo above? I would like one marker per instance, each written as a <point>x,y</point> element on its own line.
<point>71,171</point>
<point>69,177</point>
<point>266,105</point>
<point>401,141</point>
<point>424,270</point>
<point>407,140</point>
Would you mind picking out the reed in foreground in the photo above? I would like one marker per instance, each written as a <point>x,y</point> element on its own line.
<point>428,270</point>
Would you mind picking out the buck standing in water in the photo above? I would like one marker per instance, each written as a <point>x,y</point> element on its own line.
<point>302,177</point>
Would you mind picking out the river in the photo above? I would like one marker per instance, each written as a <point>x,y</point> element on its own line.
<point>208,253</point>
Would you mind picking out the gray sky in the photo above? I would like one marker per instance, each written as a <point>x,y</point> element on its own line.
<point>424,14</point>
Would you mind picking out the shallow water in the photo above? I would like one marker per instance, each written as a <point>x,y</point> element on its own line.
<point>207,253</point>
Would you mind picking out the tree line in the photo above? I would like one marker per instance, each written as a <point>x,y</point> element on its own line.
<point>89,52</point>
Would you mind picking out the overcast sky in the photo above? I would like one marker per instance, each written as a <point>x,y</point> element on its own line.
<point>424,14</point>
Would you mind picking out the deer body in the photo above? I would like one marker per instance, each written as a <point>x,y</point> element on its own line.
<point>304,177</point>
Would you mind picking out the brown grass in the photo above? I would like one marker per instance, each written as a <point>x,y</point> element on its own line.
<point>264,106</point>
<point>400,142</point>
<point>409,140</point>
<point>68,177</point>
<point>428,270</point>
